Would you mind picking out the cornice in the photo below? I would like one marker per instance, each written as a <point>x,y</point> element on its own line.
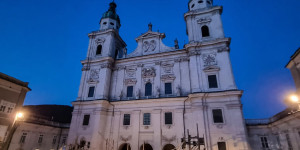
<point>107,31</point>
<point>103,59</point>
<point>217,93</point>
<point>203,11</point>
<point>153,56</point>
<point>208,43</point>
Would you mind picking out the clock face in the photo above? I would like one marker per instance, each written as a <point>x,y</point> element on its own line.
<point>149,46</point>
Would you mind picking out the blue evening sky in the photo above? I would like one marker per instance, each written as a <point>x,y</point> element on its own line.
<point>43,41</point>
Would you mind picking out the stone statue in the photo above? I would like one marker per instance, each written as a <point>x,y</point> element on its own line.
<point>137,94</point>
<point>176,44</point>
<point>178,91</point>
<point>150,26</point>
<point>121,95</point>
<point>157,92</point>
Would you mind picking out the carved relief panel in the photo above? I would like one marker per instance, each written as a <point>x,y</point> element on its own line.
<point>167,68</point>
<point>148,72</point>
<point>131,72</point>
<point>149,46</point>
<point>209,59</point>
<point>94,75</point>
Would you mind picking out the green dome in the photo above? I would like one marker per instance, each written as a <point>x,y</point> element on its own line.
<point>111,13</point>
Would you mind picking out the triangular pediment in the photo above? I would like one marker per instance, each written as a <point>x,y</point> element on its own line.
<point>151,34</point>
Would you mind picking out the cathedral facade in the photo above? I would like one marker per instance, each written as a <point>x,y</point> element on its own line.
<point>159,97</point>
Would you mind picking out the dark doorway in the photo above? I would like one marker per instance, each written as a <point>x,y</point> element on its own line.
<point>169,147</point>
<point>221,145</point>
<point>125,146</point>
<point>146,147</point>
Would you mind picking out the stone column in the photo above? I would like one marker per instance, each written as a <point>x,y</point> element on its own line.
<point>156,118</point>
<point>138,89</point>
<point>105,75</point>
<point>194,72</point>
<point>136,129</point>
<point>157,83</point>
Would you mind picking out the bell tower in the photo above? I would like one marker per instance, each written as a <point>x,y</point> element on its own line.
<point>105,46</point>
<point>203,21</point>
<point>208,48</point>
<point>198,4</point>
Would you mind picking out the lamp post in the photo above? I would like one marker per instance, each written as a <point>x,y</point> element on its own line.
<point>19,116</point>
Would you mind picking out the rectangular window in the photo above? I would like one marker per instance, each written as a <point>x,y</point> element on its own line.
<point>40,139</point>
<point>86,120</point>
<point>64,140</point>
<point>288,139</point>
<point>23,138</point>
<point>218,116</point>
<point>147,118</point>
<point>130,91</point>
<point>212,81</point>
<point>264,142</point>
<point>2,108</point>
<point>221,146</point>
<point>54,140</point>
<point>126,120</point>
<point>168,118</point>
<point>91,91</point>
<point>168,88</point>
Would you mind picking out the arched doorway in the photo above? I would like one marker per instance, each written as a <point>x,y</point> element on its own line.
<point>169,147</point>
<point>125,146</point>
<point>146,147</point>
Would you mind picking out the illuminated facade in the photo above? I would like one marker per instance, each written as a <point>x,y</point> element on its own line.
<point>152,96</point>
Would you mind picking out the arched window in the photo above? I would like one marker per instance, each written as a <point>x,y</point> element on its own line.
<point>169,147</point>
<point>125,146</point>
<point>148,89</point>
<point>146,147</point>
<point>205,31</point>
<point>99,50</point>
<point>209,2</point>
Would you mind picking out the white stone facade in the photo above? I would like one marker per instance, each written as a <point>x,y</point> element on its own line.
<point>190,83</point>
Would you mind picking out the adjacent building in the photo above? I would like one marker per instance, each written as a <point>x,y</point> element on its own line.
<point>44,127</point>
<point>158,95</point>
<point>282,131</point>
<point>294,66</point>
<point>12,95</point>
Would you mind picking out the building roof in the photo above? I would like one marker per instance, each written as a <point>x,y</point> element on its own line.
<point>14,80</point>
<point>293,56</point>
<point>285,113</point>
<point>55,113</point>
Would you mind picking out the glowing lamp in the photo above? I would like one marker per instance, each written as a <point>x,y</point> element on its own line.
<point>294,98</point>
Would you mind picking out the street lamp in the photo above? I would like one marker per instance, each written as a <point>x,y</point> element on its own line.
<point>19,117</point>
<point>295,99</point>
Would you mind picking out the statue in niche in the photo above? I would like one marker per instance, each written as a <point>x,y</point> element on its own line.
<point>178,91</point>
<point>157,92</point>
<point>137,94</point>
<point>121,95</point>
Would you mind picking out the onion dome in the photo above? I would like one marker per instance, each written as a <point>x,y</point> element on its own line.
<point>111,13</point>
